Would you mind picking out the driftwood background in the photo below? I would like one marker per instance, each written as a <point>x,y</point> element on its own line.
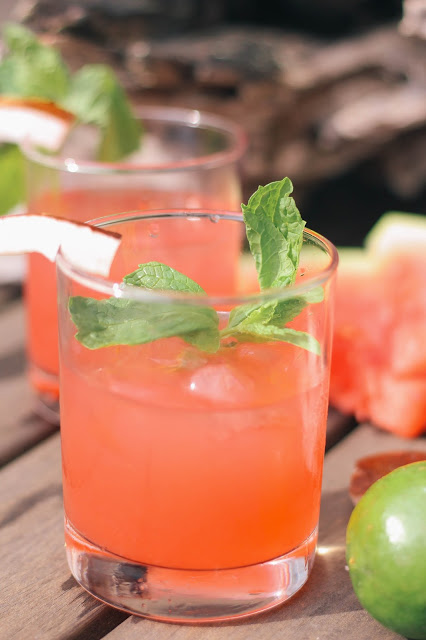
<point>333,97</point>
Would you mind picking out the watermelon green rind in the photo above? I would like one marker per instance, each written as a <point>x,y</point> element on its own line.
<point>354,260</point>
<point>386,550</point>
<point>397,231</point>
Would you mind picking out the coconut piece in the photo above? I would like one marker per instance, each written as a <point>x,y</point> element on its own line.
<point>41,122</point>
<point>85,247</point>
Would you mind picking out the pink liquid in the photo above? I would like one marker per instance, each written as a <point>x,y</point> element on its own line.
<point>202,461</point>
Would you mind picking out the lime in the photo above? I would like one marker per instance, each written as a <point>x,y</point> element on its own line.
<point>386,550</point>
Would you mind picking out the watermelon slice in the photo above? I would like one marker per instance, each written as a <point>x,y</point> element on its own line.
<point>378,368</point>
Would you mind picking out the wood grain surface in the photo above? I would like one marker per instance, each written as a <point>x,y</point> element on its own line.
<point>20,427</point>
<point>39,598</point>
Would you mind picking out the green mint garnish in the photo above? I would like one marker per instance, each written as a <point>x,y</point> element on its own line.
<point>155,275</point>
<point>103,323</point>
<point>31,69</point>
<point>271,333</point>
<point>96,97</point>
<point>267,322</point>
<point>275,233</point>
<point>12,177</point>
<point>274,229</point>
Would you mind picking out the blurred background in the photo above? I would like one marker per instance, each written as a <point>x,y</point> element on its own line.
<point>331,93</point>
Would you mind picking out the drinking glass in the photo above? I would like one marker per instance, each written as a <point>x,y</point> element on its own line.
<point>191,475</point>
<point>187,160</point>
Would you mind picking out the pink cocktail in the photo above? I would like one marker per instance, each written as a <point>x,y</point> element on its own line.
<point>192,478</point>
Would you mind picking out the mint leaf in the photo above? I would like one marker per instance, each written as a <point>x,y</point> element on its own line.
<point>275,312</point>
<point>207,339</point>
<point>31,69</point>
<point>286,310</point>
<point>103,323</point>
<point>247,314</point>
<point>257,332</point>
<point>266,322</point>
<point>96,97</point>
<point>12,178</point>
<point>155,275</point>
<point>275,233</point>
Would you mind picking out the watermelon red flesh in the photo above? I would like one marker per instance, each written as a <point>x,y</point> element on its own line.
<point>378,368</point>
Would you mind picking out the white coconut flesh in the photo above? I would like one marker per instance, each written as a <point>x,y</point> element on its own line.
<point>85,247</point>
<point>39,122</point>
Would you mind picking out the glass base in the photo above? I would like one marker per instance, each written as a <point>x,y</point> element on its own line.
<point>183,595</point>
<point>46,389</point>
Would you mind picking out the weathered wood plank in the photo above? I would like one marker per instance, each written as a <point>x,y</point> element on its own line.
<point>12,325</point>
<point>20,427</point>
<point>40,600</point>
<point>326,608</point>
<point>365,440</point>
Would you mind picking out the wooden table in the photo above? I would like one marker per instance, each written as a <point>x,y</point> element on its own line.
<point>41,601</point>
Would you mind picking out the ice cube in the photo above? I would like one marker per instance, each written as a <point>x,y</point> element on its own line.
<point>223,385</point>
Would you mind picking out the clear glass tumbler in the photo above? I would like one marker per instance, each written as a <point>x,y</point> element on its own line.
<point>192,474</point>
<point>187,160</point>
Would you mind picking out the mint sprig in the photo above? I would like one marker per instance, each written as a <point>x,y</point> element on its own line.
<point>274,229</point>
<point>31,69</point>
<point>258,332</point>
<point>104,323</point>
<point>95,97</point>
<point>275,233</point>
<point>93,94</point>
<point>155,275</point>
<point>266,322</point>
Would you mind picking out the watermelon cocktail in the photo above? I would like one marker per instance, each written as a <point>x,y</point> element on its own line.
<point>187,160</point>
<point>193,417</point>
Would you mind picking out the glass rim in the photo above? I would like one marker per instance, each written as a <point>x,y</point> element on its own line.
<point>191,118</point>
<point>120,290</point>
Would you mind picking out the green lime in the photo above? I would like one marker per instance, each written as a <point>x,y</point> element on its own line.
<point>386,550</point>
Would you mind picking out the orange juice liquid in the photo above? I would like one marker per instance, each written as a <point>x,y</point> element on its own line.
<point>180,459</point>
<point>84,205</point>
